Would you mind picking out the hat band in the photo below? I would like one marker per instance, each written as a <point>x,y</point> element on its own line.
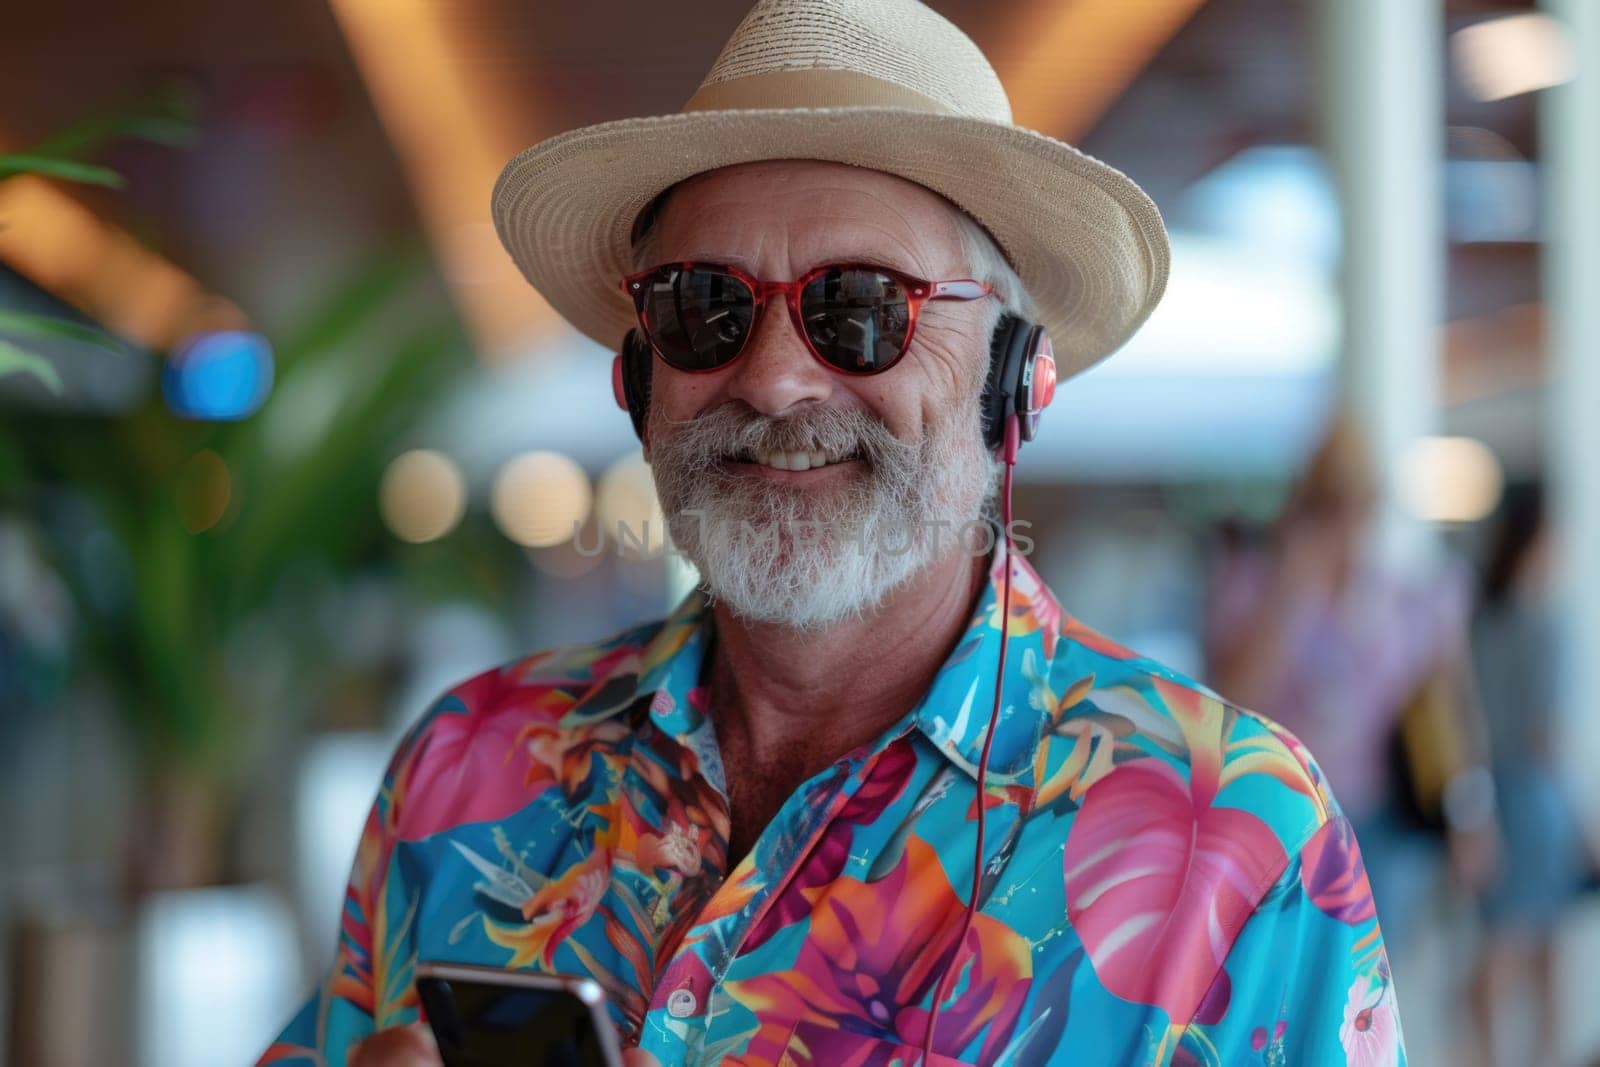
<point>809,88</point>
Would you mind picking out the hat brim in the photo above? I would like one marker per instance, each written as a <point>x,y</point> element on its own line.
<point>1086,241</point>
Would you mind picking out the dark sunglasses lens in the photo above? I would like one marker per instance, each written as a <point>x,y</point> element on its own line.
<point>697,318</point>
<point>856,318</point>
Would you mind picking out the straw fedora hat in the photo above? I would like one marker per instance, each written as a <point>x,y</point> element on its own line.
<point>884,84</point>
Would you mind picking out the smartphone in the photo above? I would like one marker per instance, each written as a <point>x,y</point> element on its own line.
<point>488,1017</point>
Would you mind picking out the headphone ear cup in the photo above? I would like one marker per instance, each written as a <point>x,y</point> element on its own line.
<point>631,379</point>
<point>1037,385</point>
<point>1007,352</point>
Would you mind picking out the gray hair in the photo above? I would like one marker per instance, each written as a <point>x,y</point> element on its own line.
<point>989,264</point>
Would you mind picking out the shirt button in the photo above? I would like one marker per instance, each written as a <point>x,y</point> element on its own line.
<point>681,1003</point>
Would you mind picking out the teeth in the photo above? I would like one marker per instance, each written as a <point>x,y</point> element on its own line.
<point>795,461</point>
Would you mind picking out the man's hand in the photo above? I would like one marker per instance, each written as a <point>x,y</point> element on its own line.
<point>399,1046</point>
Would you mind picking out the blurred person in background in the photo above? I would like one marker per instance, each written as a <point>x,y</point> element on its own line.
<point>1515,645</point>
<point>758,824</point>
<point>1369,666</point>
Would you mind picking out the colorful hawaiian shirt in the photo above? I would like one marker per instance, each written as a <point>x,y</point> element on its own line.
<point>1167,879</point>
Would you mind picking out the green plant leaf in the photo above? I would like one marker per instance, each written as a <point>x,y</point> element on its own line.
<point>173,128</point>
<point>353,306</point>
<point>164,116</point>
<point>15,163</point>
<point>26,324</point>
<point>14,360</point>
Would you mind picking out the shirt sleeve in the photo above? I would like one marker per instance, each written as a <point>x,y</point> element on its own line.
<point>1307,980</point>
<point>369,983</point>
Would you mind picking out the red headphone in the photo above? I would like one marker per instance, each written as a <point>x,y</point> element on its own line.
<point>1021,383</point>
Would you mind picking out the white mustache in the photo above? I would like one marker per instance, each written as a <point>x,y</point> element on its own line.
<point>735,433</point>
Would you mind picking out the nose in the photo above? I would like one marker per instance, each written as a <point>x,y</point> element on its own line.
<point>776,371</point>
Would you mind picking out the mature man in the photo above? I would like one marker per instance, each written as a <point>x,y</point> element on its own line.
<point>853,801</point>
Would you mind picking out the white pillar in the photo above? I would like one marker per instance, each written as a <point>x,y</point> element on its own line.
<point>1384,129</point>
<point>1569,149</point>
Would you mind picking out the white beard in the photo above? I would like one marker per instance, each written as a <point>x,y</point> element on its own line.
<point>780,553</point>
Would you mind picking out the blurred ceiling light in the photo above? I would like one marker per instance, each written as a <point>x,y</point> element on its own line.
<point>1503,57</point>
<point>64,248</point>
<point>629,512</point>
<point>540,498</point>
<point>1066,61</point>
<point>422,496</point>
<point>1450,479</point>
<point>219,377</point>
<point>203,490</point>
<point>453,133</point>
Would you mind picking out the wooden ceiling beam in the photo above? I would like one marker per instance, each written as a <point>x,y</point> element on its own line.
<point>453,130</point>
<point>63,247</point>
<point>1065,62</point>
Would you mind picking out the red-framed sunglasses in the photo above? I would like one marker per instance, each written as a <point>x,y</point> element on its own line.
<point>855,318</point>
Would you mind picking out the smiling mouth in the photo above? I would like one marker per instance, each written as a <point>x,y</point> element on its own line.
<point>780,460</point>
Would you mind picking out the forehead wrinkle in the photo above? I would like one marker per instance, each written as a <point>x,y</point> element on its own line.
<point>855,242</point>
<point>907,238</point>
<point>915,245</point>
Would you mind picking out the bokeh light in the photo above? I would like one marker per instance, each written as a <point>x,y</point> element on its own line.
<point>203,490</point>
<point>222,376</point>
<point>1515,54</point>
<point>628,509</point>
<point>423,496</point>
<point>539,498</point>
<point>1450,479</point>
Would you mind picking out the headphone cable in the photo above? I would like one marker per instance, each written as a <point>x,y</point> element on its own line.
<point>1012,443</point>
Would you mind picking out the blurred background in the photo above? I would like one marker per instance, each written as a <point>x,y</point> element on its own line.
<point>287,447</point>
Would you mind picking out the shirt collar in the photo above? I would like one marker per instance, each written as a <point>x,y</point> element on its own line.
<point>953,714</point>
